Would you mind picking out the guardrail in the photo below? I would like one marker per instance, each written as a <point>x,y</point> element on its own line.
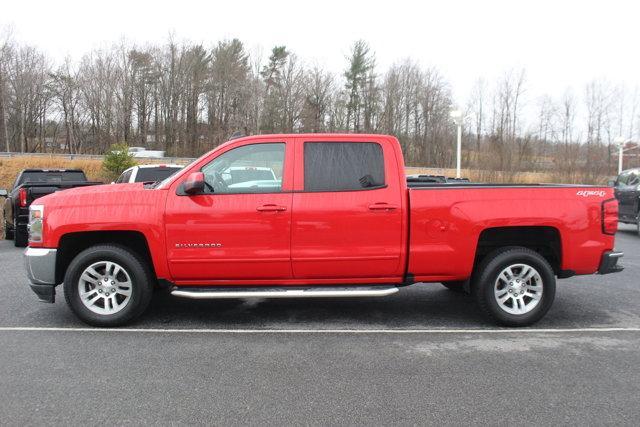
<point>4,154</point>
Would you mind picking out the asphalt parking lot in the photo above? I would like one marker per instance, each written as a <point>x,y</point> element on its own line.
<point>424,355</point>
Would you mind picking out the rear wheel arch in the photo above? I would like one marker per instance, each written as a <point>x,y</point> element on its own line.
<point>71,244</point>
<point>545,240</point>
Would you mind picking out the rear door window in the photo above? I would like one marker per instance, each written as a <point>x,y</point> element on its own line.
<point>343,166</point>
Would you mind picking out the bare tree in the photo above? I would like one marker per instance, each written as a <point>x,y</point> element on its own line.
<point>6,51</point>
<point>317,100</point>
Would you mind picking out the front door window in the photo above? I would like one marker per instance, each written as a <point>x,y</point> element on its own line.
<point>254,168</point>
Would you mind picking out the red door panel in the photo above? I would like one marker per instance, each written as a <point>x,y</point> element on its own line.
<point>231,236</point>
<point>336,235</point>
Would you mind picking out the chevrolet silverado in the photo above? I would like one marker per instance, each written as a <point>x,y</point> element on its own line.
<point>336,218</point>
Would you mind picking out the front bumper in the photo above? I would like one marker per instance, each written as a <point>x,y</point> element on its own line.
<point>609,262</point>
<point>40,264</point>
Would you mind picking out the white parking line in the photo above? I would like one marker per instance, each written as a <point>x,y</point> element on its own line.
<point>320,331</point>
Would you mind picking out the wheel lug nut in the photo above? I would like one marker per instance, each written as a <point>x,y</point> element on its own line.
<point>114,289</point>
<point>107,293</point>
<point>113,283</point>
<point>99,291</point>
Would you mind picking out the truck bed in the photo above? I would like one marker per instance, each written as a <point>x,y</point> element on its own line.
<point>446,221</point>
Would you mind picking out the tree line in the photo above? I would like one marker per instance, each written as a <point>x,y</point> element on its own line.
<point>186,98</point>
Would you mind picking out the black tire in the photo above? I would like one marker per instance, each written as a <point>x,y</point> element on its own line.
<point>20,236</point>
<point>486,276</point>
<point>8,231</point>
<point>457,286</point>
<point>638,225</point>
<point>141,284</point>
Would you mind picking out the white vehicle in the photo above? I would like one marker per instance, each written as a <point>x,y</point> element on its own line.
<point>147,173</point>
<point>250,177</point>
<point>239,174</point>
<point>141,152</point>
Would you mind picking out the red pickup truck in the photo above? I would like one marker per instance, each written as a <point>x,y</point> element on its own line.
<point>320,215</point>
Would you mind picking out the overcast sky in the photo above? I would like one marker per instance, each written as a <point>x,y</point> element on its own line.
<point>560,43</point>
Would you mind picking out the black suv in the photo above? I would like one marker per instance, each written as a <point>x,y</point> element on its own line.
<point>627,191</point>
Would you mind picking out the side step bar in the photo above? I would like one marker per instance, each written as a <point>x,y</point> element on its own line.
<point>312,292</point>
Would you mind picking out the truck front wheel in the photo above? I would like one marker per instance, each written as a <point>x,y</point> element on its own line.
<point>107,285</point>
<point>515,286</point>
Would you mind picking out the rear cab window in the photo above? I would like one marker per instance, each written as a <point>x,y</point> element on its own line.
<point>343,166</point>
<point>126,175</point>
<point>155,174</point>
<point>50,177</point>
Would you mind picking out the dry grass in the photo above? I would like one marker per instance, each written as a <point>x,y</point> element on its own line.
<point>10,167</point>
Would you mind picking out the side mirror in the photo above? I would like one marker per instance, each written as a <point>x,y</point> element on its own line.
<point>194,183</point>
<point>3,193</point>
<point>611,183</point>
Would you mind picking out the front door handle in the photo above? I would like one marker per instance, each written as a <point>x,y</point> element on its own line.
<point>271,208</point>
<point>381,206</point>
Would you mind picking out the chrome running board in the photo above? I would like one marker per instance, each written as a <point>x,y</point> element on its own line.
<point>312,292</point>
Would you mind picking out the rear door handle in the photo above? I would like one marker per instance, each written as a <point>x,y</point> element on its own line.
<point>382,207</point>
<point>271,208</point>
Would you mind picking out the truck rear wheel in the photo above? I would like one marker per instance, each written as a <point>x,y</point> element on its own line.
<point>8,232</point>
<point>20,236</point>
<point>515,286</point>
<point>107,285</point>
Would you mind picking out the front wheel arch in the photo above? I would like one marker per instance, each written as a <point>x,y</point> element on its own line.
<point>71,244</point>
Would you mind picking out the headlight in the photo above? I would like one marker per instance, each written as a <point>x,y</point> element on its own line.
<point>36,217</point>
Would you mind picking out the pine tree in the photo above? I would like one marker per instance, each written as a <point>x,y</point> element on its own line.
<point>361,64</point>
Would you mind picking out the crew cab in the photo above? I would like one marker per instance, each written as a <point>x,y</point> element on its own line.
<point>29,185</point>
<point>337,220</point>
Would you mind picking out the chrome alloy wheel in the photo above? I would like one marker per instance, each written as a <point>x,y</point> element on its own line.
<point>105,287</point>
<point>518,289</point>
